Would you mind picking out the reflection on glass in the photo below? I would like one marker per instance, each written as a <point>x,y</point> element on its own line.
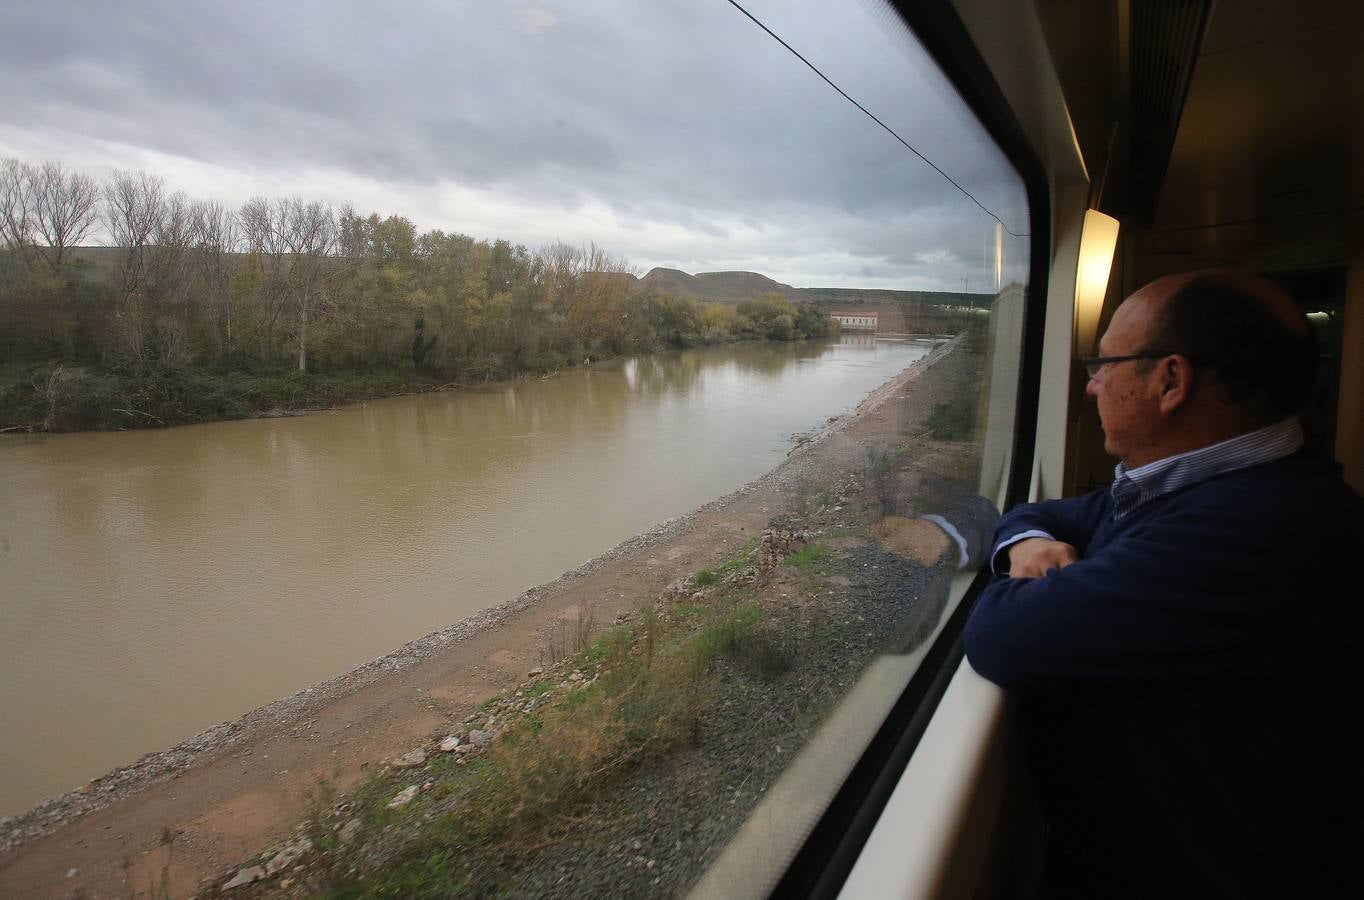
<point>616,236</point>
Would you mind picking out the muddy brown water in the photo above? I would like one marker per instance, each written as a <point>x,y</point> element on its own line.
<point>155,583</point>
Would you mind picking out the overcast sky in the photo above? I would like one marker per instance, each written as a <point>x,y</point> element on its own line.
<point>669,132</point>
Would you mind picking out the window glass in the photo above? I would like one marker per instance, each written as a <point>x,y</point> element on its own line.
<point>455,297</point>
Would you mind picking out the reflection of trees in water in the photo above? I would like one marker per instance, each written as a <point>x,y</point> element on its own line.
<point>497,432</point>
<point>773,359</point>
<point>411,461</point>
<point>673,373</point>
<point>677,373</point>
<point>83,508</point>
<point>489,437</point>
<point>158,480</point>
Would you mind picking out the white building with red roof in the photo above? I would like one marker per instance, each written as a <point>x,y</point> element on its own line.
<point>856,321</point>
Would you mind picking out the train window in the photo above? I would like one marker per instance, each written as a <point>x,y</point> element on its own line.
<point>549,279</point>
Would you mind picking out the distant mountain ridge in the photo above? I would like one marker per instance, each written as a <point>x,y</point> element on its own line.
<point>737,287</point>
<point>720,287</point>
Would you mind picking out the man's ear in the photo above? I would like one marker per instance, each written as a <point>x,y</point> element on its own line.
<point>1175,381</point>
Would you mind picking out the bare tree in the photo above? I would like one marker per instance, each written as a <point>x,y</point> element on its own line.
<point>168,281</point>
<point>16,221</point>
<point>154,234</point>
<point>309,233</point>
<point>293,240</point>
<point>214,238</point>
<point>133,203</point>
<point>63,209</point>
<point>168,254</point>
<point>264,242</point>
<point>133,206</point>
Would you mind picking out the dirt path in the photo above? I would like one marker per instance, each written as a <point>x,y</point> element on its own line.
<point>163,825</point>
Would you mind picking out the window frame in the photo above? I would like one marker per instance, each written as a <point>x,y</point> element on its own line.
<point>821,866</point>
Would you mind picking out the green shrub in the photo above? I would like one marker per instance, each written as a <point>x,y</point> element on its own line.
<point>720,640</point>
<point>950,421</point>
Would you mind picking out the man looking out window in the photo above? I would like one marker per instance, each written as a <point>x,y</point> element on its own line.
<point>1187,646</point>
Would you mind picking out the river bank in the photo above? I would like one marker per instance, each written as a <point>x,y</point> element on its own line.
<point>64,398</point>
<point>61,398</point>
<point>221,796</point>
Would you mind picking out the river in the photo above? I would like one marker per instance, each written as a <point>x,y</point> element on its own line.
<point>155,583</point>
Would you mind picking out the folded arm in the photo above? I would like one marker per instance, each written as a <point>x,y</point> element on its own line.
<point>1180,596</point>
<point>1037,537</point>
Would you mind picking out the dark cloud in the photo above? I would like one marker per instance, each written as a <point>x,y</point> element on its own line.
<point>679,117</point>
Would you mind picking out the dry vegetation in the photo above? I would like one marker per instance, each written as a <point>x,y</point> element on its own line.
<point>628,759</point>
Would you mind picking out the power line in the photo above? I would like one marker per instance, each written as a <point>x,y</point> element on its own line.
<point>869,114</point>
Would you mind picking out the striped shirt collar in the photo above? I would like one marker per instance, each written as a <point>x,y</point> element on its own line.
<point>1133,487</point>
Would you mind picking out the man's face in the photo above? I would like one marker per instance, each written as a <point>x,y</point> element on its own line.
<point>1129,406</point>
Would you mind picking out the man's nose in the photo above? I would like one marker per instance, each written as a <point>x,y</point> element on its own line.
<point>1092,385</point>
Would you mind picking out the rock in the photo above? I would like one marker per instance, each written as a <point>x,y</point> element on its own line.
<point>245,876</point>
<point>777,544</point>
<point>287,857</point>
<point>404,797</point>
<point>450,744</point>
<point>535,673</point>
<point>410,760</point>
<point>680,586</point>
<point>480,738</point>
<point>348,831</point>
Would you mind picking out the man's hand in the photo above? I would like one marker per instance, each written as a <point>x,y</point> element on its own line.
<point>1039,557</point>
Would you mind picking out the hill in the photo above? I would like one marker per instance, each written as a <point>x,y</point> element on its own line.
<point>716,287</point>
<point>736,287</point>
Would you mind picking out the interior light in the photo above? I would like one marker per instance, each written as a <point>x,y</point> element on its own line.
<point>1098,241</point>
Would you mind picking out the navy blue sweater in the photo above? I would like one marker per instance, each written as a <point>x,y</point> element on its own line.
<point>1191,687</point>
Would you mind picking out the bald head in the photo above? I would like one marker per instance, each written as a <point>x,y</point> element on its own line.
<point>1251,289</point>
<point>1243,330</point>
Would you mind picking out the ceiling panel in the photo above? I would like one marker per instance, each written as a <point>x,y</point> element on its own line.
<point>1272,124</point>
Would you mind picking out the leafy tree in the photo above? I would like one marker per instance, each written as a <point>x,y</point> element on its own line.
<point>287,283</point>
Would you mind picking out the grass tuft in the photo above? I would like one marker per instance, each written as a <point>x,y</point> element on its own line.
<point>813,557</point>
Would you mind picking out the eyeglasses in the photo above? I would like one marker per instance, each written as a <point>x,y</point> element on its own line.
<point>1093,364</point>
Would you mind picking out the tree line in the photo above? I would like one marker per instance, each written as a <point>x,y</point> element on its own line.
<point>185,289</point>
